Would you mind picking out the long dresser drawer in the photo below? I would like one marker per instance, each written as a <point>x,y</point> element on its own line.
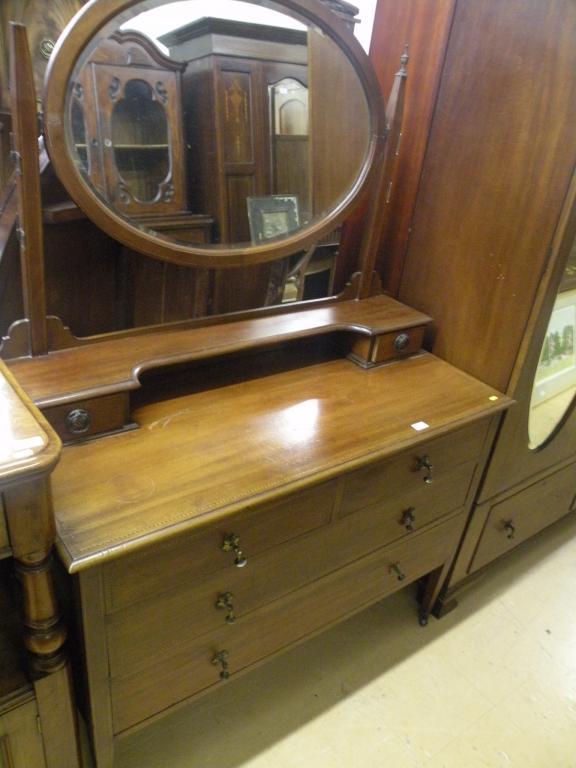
<point>184,558</point>
<point>517,518</point>
<point>427,472</point>
<point>177,672</point>
<point>230,595</point>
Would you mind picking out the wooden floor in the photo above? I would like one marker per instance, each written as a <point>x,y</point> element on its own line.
<point>492,685</point>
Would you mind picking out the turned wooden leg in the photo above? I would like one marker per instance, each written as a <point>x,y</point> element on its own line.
<point>31,529</point>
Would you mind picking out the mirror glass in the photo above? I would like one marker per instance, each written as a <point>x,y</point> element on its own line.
<point>554,387</point>
<point>217,123</point>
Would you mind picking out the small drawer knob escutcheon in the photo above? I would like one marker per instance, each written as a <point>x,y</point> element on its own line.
<point>231,543</point>
<point>401,342</point>
<point>225,602</point>
<point>221,659</point>
<point>408,518</point>
<point>425,463</point>
<point>78,421</point>
<point>395,568</point>
<point>510,529</point>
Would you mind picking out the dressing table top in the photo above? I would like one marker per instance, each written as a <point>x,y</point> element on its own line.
<point>226,444</point>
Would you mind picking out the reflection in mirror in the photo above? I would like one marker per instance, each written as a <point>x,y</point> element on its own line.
<point>554,387</point>
<point>189,108</point>
<point>179,114</point>
<point>139,131</point>
<point>79,133</point>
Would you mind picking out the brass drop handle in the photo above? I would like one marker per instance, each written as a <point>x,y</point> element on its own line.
<point>231,543</point>
<point>425,463</point>
<point>225,602</point>
<point>395,568</point>
<point>510,529</point>
<point>408,518</point>
<point>221,659</point>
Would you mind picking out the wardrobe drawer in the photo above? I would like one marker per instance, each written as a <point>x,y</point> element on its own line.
<point>519,517</point>
<point>408,473</point>
<point>169,564</point>
<point>176,673</point>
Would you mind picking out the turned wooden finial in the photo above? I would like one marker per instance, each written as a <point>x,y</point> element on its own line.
<point>404,59</point>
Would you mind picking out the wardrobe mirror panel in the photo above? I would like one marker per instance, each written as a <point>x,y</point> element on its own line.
<point>554,389</point>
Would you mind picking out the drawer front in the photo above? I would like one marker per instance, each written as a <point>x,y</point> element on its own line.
<point>177,561</point>
<point>86,418</point>
<point>407,473</point>
<point>173,675</point>
<point>191,611</point>
<point>512,521</point>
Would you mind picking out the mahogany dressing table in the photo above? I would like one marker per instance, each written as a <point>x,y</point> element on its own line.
<point>232,485</point>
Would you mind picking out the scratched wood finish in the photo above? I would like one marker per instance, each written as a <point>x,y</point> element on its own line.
<point>482,227</point>
<point>59,376</point>
<point>273,435</point>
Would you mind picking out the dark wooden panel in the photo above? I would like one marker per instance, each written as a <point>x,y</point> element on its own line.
<point>519,517</point>
<point>423,25</point>
<point>239,188</point>
<point>237,130</point>
<point>338,115</point>
<point>44,21</point>
<point>291,168</point>
<point>501,153</point>
<point>82,277</point>
<point>187,293</point>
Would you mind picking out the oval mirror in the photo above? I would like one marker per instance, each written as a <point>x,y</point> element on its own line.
<point>554,388</point>
<point>219,133</point>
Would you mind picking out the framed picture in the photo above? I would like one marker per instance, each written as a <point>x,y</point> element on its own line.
<point>272,216</point>
<point>556,370</point>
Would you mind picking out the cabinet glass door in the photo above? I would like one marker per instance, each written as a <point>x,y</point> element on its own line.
<point>554,387</point>
<point>140,141</point>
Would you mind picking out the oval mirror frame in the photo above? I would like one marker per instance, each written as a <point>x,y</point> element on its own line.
<point>81,30</point>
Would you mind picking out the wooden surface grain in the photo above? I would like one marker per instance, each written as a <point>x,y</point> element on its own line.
<point>200,456</point>
<point>27,443</point>
<point>101,368</point>
<point>500,156</point>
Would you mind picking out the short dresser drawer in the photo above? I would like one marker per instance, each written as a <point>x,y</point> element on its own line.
<point>517,518</point>
<point>423,474</point>
<point>185,558</point>
<point>177,672</point>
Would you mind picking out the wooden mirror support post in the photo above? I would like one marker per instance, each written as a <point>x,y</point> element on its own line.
<point>378,209</point>
<point>25,155</point>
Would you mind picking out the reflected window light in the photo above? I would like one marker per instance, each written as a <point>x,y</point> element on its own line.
<point>363,30</point>
<point>298,424</point>
<point>6,433</point>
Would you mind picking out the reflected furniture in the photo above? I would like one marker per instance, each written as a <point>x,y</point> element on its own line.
<point>486,215</point>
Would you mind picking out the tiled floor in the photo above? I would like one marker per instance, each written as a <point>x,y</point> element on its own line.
<point>491,684</point>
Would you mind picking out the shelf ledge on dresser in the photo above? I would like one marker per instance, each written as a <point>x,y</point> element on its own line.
<point>69,374</point>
